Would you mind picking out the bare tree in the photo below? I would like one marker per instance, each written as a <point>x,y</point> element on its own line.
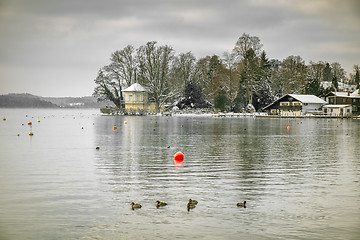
<point>205,72</point>
<point>338,72</point>
<point>123,66</point>
<point>314,76</point>
<point>293,74</point>
<point>121,72</point>
<point>182,71</point>
<point>154,71</point>
<point>230,77</point>
<point>245,43</point>
<point>107,89</point>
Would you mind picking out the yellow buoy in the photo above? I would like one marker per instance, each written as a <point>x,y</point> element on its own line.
<point>125,122</point>
<point>38,121</point>
<point>31,133</point>
<point>4,119</point>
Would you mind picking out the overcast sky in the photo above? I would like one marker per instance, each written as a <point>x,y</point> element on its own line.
<point>55,48</point>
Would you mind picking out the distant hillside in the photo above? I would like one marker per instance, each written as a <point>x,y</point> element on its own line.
<point>24,100</point>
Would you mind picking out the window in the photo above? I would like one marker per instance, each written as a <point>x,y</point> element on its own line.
<point>130,97</point>
<point>344,100</point>
<point>354,100</point>
<point>331,100</point>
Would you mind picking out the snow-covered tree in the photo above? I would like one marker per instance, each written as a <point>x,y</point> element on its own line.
<point>263,93</point>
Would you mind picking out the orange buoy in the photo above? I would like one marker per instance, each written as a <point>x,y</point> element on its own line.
<point>114,128</point>
<point>29,123</point>
<point>178,158</point>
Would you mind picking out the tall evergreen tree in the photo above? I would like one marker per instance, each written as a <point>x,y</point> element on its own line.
<point>335,83</point>
<point>357,79</point>
<point>263,93</point>
<point>314,77</point>
<point>327,76</point>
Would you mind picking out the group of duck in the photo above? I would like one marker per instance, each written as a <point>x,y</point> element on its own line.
<point>190,205</point>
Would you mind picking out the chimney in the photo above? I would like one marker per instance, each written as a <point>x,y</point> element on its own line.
<point>348,93</point>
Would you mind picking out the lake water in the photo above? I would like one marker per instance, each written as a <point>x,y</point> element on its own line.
<point>301,183</point>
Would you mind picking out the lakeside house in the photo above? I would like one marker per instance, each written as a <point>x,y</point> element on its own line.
<point>349,101</point>
<point>296,105</point>
<point>137,99</point>
<point>337,110</point>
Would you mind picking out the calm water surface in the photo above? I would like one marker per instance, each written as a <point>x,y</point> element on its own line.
<point>298,184</point>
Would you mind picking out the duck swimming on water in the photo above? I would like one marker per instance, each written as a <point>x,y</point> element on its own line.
<point>160,204</point>
<point>135,205</point>
<point>191,204</point>
<point>241,204</point>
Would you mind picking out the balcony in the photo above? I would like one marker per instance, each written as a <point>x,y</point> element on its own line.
<point>290,104</point>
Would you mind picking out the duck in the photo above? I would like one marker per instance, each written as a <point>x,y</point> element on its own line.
<point>191,201</point>
<point>160,204</point>
<point>135,205</point>
<point>191,204</point>
<point>241,204</point>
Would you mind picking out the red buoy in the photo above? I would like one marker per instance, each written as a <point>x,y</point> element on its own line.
<point>179,157</point>
<point>288,128</point>
<point>29,123</point>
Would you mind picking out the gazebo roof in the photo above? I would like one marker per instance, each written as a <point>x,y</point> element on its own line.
<point>136,87</point>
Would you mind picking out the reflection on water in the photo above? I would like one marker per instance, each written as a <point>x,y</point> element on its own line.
<point>301,183</point>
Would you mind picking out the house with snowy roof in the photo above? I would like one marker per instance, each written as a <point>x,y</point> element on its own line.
<point>349,101</point>
<point>295,105</point>
<point>137,99</point>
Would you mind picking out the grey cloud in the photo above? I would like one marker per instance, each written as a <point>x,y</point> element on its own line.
<point>82,34</point>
